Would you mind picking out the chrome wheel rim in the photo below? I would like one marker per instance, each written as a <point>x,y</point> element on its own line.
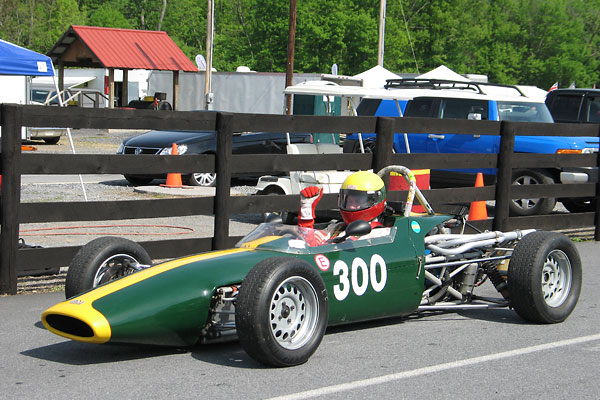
<point>115,267</point>
<point>525,204</point>
<point>557,276</point>
<point>207,179</point>
<point>294,312</point>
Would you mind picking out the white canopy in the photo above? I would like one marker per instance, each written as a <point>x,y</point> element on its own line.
<point>376,77</point>
<point>444,73</point>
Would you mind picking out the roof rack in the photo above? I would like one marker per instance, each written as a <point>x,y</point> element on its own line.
<point>438,84</point>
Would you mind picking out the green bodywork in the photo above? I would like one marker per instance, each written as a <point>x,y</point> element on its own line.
<point>171,308</point>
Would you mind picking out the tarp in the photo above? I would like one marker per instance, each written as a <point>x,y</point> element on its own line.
<point>376,77</point>
<point>17,60</point>
<point>444,73</point>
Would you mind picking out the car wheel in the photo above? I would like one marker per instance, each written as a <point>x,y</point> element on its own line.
<point>203,179</point>
<point>103,260</point>
<point>287,217</point>
<point>577,205</point>
<point>137,181</point>
<point>531,206</point>
<point>544,277</point>
<point>52,140</point>
<point>281,311</point>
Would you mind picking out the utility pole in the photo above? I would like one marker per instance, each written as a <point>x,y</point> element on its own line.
<point>208,95</point>
<point>289,72</point>
<point>382,7</point>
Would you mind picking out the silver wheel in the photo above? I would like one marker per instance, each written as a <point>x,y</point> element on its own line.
<point>294,313</point>
<point>556,278</point>
<point>281,311</point>
<point>531,206</point>
<point>115,267</point>
<point>544,277</point>
<point>526,204</point>
<point>102,260</point>
<point>203,179</point>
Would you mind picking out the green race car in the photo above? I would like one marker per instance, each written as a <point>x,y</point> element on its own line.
<point>278,294</point>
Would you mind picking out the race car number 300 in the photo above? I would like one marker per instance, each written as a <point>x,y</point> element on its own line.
<point>359,276</point>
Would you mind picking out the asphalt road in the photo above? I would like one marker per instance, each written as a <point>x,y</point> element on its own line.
<point>485,354</point>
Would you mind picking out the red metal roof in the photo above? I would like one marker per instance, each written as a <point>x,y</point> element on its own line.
<point>120,48</point>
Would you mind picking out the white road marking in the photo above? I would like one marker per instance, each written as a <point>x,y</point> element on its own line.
<point>434,368</point>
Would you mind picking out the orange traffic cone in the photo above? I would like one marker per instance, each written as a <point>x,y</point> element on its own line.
<point>478,209</point>
<point>173,178</point>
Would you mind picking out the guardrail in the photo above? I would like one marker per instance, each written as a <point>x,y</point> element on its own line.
<point>14,164</point>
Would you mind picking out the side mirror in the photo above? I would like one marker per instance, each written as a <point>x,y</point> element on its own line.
<point>356,228</point>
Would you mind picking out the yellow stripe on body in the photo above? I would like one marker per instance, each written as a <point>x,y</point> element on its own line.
<point>80,307</point>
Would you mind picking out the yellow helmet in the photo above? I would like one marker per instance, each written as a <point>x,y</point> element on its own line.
<point>362,196</point>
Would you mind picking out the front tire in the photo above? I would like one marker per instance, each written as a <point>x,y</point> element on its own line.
<point>544,277</point>
<point>103,260</point>
<point>281,312</point>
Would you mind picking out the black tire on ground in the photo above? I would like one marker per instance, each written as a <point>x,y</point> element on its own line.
<point>103,260</point>
<point>137,180</point>
<point>544,277</point>
<point>577,205</point>
<point>52,140</point>
<point>281,311</point>
<point>531,206</point>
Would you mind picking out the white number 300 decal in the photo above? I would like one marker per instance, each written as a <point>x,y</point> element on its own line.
<point>360,275</point>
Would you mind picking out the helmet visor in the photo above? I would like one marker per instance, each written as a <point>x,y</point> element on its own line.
<point>355,200</point>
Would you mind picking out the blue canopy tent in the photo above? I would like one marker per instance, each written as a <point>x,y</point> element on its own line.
<point>17,60</point>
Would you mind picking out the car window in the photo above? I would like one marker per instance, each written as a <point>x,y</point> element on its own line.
<point>368,107</point>
<point>461,108</point>
<point>592,109</point>
<point>523,112</point>
<point>566,107</point>
<point>421,107</point>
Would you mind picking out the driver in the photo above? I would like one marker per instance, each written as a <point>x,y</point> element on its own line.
<point>362,197</point>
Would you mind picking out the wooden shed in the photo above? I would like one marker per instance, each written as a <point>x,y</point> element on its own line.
<point>114,48</point>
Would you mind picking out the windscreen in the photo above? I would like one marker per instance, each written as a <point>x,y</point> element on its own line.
<point>523,112</point>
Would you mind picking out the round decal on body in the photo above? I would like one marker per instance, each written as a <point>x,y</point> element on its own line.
<point>322,262</point>
<point>415,226</point>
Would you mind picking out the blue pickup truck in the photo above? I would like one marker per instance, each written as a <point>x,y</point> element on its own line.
<point>477,101</point>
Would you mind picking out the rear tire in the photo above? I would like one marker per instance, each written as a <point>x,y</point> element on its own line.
<point>281,312</point>
<point>544,277</point>
<point>531,206</point>
<point>578,205</point>
<point>103,260</point>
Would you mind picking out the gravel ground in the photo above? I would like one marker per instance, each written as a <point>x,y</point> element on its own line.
<point>107,142</point>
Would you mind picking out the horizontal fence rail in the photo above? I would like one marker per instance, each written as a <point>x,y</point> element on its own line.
<point>14,164</point>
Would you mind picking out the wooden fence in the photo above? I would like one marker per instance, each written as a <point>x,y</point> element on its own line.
<point>14,261</point>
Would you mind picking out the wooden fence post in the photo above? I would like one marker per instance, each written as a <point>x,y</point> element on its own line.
<point>597,198</point>
<point>223,187</point>
<point>382,157</point>
<point>11,117</point>
<point>504,177</point>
